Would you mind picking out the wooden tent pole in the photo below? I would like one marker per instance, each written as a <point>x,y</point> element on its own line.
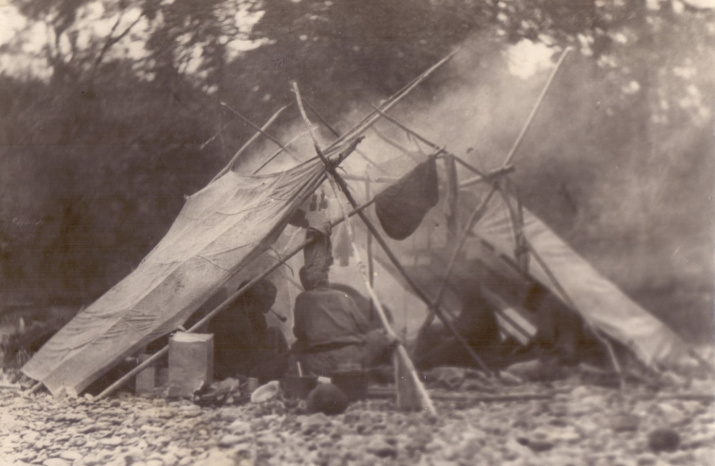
<point>126,377</point>
<point>370,260</point>
<point>369,119</point>
<point>35,388</point>
<point>255,136</point>
<point>260,130</point>
<point>527,125</point>
<point>276,154</point>
<point>452,183</point>
<point>517,224</point>
<point>335,132</point>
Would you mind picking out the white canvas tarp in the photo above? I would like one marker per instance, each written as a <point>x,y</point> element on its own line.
<point>221,230</point>
<point>600,302</point>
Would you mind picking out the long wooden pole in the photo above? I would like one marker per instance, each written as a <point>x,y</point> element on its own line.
<point>255,136</point>
<point>336,133</point>
<point>370,261</point>
<point>369,119</point>
<point>260,130</point>
<point>536,107</point>
<point>154,357</point>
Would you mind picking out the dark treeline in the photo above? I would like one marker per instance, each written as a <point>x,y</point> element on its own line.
<point>98,155</point>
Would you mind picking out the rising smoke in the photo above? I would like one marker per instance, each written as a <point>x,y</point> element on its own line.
<point>639,210</point>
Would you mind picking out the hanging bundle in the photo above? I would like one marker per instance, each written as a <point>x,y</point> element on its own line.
<point>401,207</point>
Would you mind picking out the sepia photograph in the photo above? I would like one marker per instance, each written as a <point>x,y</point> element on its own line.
<point>331,232</point>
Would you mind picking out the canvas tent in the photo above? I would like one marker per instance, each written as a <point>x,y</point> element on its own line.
<point>222,231</point>
<point>237,227</point>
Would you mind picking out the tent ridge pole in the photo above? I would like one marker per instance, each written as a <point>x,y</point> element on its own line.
<point>372,117</point>
<point>255,136</point>
<point>260,130</point>
<point>337,134</point>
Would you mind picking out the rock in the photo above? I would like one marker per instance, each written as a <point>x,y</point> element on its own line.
<point>581,392</point>
<point>94,427</point>
<point>231,413</point>
<point>514,449</point>
<point>71,455</point>
<point>217,458</point>
<point>380,448</point>
<point>133,456</point>
<point>56,462</point>
<point>540,445</point>
<point>92,460</point>
<point>646,459</point>
<point>625,422</point>
<point>663,439</point>
<point>265,392</point>
<point>671,414</point>
<point>565,435</point>
<point>269,440</point>
<point>536,371</point>
<point>111,441</point>
<point>508,378</point>
<point>190,411</point>
<point>471,446</point>
<point>31,437</point>
<point>239,427</point>
<point>229,440</point>
<point>446,377</point>
<point>327,399</point>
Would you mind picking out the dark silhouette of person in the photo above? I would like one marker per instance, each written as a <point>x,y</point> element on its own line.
<point>243,342</point>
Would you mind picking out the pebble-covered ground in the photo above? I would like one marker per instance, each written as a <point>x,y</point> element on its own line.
<point>578,424</point>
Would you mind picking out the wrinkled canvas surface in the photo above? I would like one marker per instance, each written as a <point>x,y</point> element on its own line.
<point>221,230</point>
<point>600,302</point>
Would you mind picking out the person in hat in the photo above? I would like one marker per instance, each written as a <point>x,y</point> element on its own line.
<point>244,344</point>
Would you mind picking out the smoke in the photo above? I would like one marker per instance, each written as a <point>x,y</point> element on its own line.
<point>636,204</point>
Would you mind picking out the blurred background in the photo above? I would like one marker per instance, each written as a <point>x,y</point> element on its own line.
<point>110,114</point>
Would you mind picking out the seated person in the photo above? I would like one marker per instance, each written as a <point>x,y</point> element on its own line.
<point>477,324</point>
<point>331,330</point>
<point>243,342</point>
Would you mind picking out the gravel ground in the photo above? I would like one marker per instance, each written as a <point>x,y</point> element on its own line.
<point>580,424</point>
